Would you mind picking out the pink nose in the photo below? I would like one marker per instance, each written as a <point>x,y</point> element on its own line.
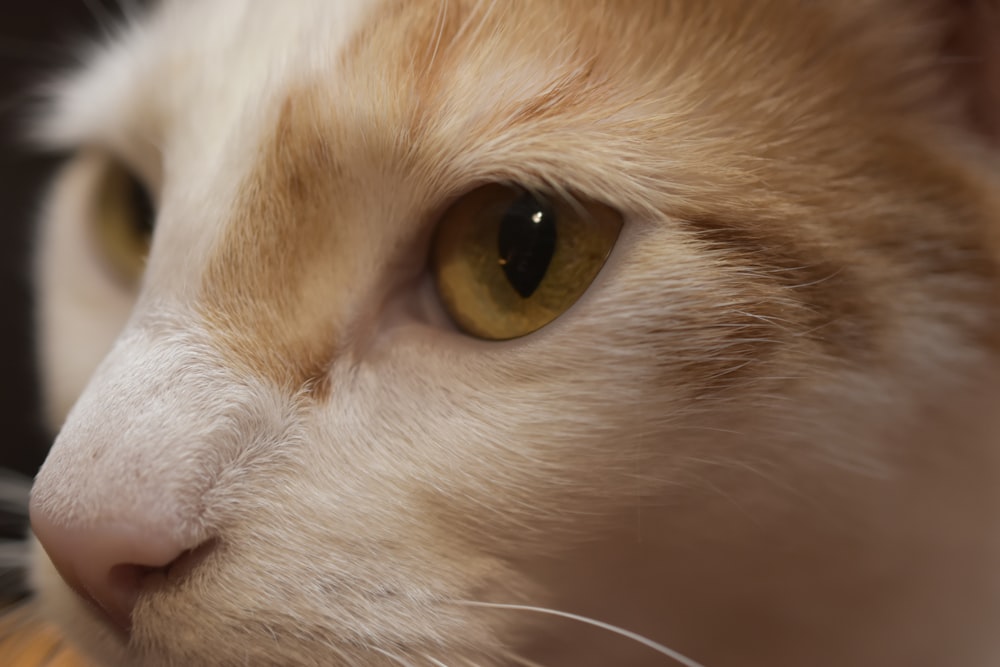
<point>106,563</point>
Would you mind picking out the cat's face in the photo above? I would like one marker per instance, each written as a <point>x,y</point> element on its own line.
<point>290,390</point>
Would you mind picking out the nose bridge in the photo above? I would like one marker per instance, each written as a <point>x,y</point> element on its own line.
<point>291,256</point>
<point>134,449</point>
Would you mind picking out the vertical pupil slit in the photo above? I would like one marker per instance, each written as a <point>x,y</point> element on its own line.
<point>526,243</point>
<point>141,206</point>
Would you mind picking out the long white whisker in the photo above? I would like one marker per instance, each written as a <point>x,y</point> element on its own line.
<point>659,648</point>
<point>435,661</point>
<point>393,657</point>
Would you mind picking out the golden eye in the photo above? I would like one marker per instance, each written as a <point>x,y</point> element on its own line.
<point>124,215</point>
<point>508,262</point>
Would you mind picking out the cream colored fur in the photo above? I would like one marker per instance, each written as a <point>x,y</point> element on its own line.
<point>767,435</point>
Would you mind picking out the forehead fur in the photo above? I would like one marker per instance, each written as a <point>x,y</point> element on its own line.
<point>642,105</point>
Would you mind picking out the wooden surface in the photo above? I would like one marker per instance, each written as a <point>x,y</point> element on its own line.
<point>26,641</point>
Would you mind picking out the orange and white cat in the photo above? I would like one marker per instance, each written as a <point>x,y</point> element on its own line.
<point>526,333</point>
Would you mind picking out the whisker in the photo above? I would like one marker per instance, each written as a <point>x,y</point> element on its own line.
<point>434,661</point>
<point>393,657</point>
<point>659,648</point>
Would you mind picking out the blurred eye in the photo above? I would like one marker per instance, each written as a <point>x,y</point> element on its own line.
<point>508,262</point>
<point>124,221</point>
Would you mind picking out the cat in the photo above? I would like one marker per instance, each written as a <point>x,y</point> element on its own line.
<point>525,333</point>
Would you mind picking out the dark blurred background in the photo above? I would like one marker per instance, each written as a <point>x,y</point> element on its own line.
<point>37,39</point>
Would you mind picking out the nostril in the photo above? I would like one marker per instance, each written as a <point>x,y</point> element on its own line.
<point>108,564</point>
<point>125,581</point>
<point>118,597</point>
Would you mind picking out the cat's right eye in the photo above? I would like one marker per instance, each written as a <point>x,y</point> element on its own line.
<point>123,221</point>
<point>507,261</point>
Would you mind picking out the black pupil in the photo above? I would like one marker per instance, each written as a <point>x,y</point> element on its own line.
<point>144,213</point>
<point>527,241</point>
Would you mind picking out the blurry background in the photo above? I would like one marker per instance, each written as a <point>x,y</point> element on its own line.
<point>36,39</point>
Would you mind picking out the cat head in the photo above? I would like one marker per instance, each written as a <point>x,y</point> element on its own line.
<point>457,304</point>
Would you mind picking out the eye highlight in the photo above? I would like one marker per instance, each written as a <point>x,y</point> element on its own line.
<point>123,215</point>
<point>507,261</point>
